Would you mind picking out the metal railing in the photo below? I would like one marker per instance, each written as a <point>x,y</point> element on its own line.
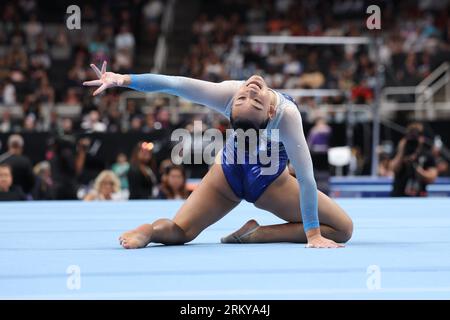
<point>160,57</point>
<point>342,112</point>
<point>427,89</point>
<point>422,96</point>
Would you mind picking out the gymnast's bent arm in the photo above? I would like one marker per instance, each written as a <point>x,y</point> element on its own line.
<point>214,95</point>
<point>293,138</point>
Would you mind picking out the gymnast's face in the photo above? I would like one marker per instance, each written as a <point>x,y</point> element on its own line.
<point>253,101</point>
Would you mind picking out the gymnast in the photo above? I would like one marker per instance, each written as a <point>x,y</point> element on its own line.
<point>248,104</point>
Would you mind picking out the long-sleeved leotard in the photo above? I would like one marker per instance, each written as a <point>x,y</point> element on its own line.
<point>218,96</point>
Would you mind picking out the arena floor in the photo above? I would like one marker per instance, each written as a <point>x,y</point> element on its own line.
<point>400,250</point>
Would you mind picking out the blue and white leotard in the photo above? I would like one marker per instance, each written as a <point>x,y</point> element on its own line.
<point>245,179</point>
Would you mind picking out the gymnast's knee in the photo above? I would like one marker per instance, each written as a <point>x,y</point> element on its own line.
<point>345,233</point>
<point>166,231</point>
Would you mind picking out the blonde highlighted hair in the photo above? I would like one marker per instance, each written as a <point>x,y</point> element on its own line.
<point>104,175</point>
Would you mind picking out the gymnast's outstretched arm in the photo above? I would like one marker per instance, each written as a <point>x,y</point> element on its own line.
<point>291,134</point>
<point>213,95</point>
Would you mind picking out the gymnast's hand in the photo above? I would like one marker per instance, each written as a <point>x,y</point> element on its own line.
<point>107,79</point>
<point>317,241</point>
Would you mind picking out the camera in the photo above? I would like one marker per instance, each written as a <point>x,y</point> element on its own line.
<point>412,141</point>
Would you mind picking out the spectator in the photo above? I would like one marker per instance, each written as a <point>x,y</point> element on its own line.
<point>149,125</point>
<point>120,168</point>
<point>141,178</point>
<point>40,58</point>
<point>125,39</point>
<point>356,166</point>
<point>92,122</point>
<point>153,10</point>
<point>29,123</point>
<point>88,163</point>
<point>132,110</point>
<point>162,118</point>
<point>152,13</point>
<point>163,166</point>
<point>8,192</point>
<point>33,28</point>
<point>384,168</point>
<point>123,60</point>
<point>414,168</point>
<point>98,48</point>
<point>174,184</point>
<point>31,106</point>
<point>61,47</point>
<point>46,93</point>
<point>318,142</point>
<point>114,120</point>
<point>136,124</point>
<point>66,126</point>
<point>9,93</point>
<point>43,188</point>
<point>22,169</point>
<point>63,168</point>
<point>106,187</point>
<point>442,164</point>
<point>319,136</point>
<point>361,93</point>
<point>6,124</point>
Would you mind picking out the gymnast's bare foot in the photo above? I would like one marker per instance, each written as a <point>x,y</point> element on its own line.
<point>243,235</point>
<point>137,238</point>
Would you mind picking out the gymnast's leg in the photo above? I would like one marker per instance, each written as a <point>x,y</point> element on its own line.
<point>282,199</point>
<point>210,201</point>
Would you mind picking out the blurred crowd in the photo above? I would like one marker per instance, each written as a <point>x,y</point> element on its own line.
<point>42,63</point>
<point>71,172</point>
<point>66,175</point>
<point>415,38</point>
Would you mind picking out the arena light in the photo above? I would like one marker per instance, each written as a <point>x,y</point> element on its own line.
<point>147,146</point>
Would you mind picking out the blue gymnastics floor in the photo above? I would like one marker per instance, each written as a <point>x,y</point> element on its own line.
<point>400,250</point>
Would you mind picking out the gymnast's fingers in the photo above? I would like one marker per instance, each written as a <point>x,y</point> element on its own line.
<point>92,83</point>
<point>103,67</point>
<point>100,89</point>
<point>96,70</point>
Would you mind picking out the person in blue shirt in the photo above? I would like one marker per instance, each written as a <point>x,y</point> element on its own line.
<point>311,216</point>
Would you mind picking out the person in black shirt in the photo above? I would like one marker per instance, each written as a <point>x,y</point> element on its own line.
<point>21,166</point>
<point>8,192</point>
<point>63,168</point>
<point>141,178</point>
<point>413,166</point>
